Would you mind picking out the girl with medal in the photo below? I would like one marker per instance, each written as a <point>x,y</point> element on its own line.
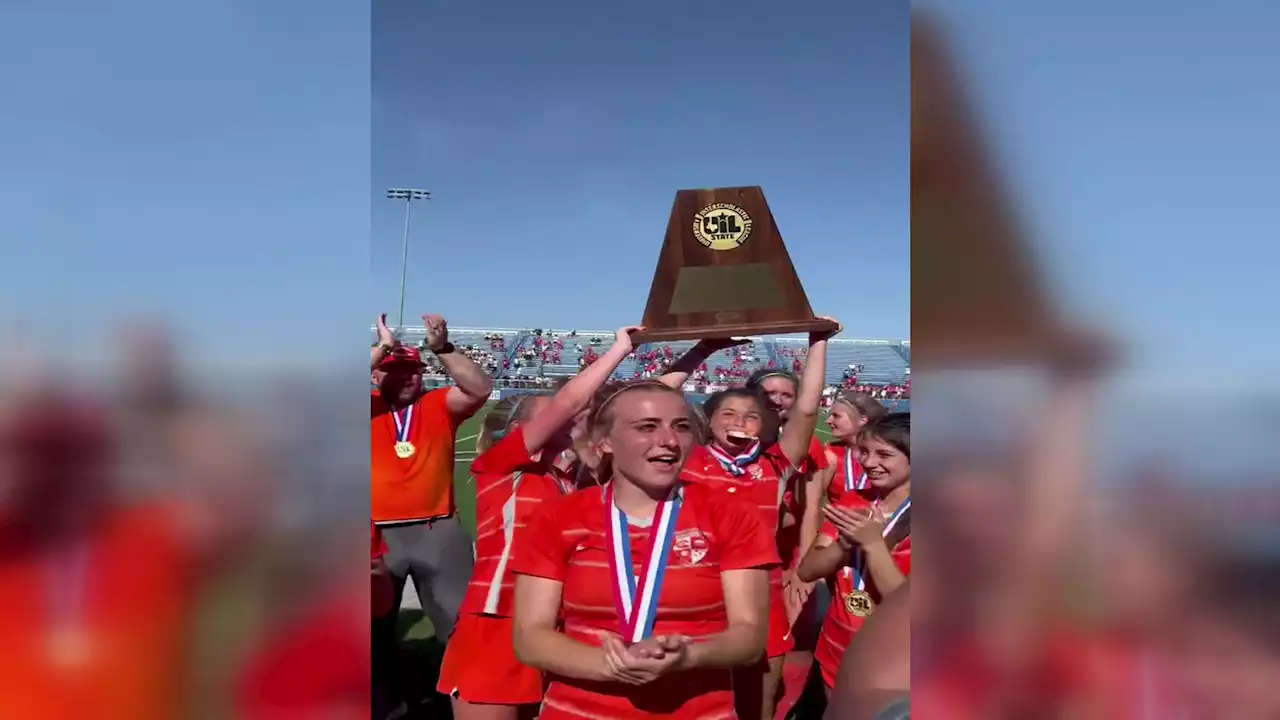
<point>780,389</point>
<point>798,527</point>
<point>850,412</point>
<point>752,458</point>
<point>638,597</point>
<point>802,501</point>
<point>866,545</point>
<point>521,464</point>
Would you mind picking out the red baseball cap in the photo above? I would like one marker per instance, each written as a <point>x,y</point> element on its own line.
<point>400,356</point>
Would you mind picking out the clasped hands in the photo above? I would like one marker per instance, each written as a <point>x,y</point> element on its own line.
<point>856,528</point>
<point>647,660</point>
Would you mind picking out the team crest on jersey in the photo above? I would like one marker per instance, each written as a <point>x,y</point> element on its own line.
<point>757,473</point>
<point>690,546</point>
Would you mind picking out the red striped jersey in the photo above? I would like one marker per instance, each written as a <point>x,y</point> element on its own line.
<point>817,460</point>
<point>841,625</point>
<point>509,486</point>
<point>846,462</point>
<point>762,484</point>
<point>817,455</point>
<point>567,541</point>
<point>792,502</point>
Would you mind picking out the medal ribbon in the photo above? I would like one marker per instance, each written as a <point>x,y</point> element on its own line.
<point>850,483</point>
<point>636,599</point>
<point>404,423</point>
<point>734,465</point>
<point>859,577</point>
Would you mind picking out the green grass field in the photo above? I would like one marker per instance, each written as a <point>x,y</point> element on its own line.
<point>463,491</point>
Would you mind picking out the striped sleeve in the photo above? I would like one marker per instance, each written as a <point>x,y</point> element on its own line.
<point>506,456</point>
<point>544,550</point>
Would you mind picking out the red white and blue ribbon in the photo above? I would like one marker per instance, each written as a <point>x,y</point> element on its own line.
<point>859,577</point>
<point>404,423</point>
<point>734,465</point>
<point>636,598</point>
<point>850,482</point>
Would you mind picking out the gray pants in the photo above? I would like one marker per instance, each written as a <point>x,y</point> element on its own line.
<point>438,555</point>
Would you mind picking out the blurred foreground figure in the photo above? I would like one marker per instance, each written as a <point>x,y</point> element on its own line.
<point>98,595</point>
<point>1046,594</point>
<point>875,675</point>
<point>94,599</point>
<point>1229,660</point>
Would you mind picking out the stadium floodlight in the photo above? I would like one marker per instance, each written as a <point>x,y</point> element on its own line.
<point>408,195</point>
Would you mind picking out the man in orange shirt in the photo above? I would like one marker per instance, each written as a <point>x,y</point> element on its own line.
<point>99,590</point>
<point>412,447</point>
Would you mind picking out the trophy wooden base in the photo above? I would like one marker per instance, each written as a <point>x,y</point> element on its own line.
<point>741,330</point>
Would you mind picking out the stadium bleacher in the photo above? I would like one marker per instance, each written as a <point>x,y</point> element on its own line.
<point>882,362</point>
<point>480,343</point>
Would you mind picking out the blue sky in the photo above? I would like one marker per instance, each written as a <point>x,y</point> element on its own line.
<point>210,161</point>
<point>553,137</point>
<point>1140,141</point>
<point>205,162</point>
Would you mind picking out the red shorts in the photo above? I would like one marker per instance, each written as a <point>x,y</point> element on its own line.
<point>780,640</point>
<point>480,664</point>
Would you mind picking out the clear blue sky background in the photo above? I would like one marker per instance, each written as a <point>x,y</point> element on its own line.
<point>211,160</point>
<point>206,162</point>
<point>1140,139</point>
<point>553,137</point>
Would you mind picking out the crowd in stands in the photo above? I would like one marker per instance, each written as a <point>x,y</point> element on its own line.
<point>547,355</point>
<point>879,392</point>
<point>479,355</point>
<point>527,382</point>
<point>542,349</point>
<point>892,391</point>
<point>731,365</point>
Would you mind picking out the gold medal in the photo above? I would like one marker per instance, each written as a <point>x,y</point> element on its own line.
<point>68,648</point>
<point>858,603</point>
<point>405,450</point>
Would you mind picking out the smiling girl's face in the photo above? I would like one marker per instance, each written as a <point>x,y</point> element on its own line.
<point>736,423</point>
<point>886,466</point>
<point>648,435</point>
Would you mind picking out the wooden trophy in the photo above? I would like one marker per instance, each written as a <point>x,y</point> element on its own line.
<point>974,295</point>
<point>724,272</point>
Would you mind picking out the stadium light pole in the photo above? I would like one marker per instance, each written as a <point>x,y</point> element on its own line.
<point>408,195</point>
